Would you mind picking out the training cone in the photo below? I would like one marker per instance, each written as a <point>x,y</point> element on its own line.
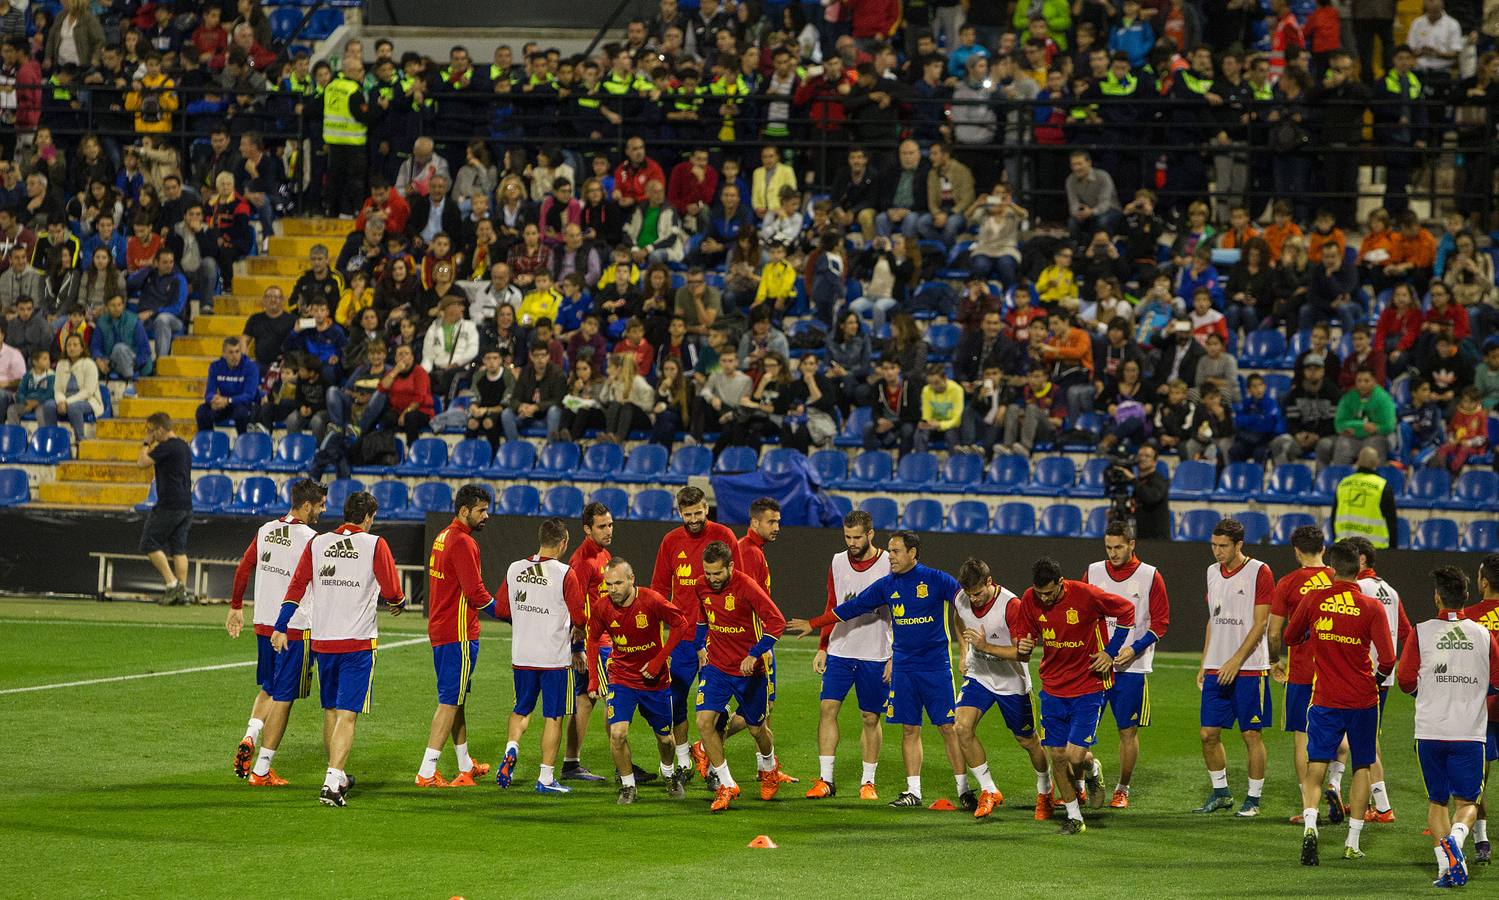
<point>942,804</point>
<point>762,842</point>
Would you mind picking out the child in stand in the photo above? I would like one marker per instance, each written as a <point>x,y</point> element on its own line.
<point>1467,433</point>
<point>1424,421</point>
<point>34,390</point>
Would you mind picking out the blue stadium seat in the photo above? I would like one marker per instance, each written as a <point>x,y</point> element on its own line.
<point>210,449</point>
<point>601,462</point>
<point>150,501</point>
<point>1481,537</point>
<point>1263,348</point>
<point>519,500</point>
<point>558,461</point>
<point>1098,520</point>
<point>1277,384</point>
<point>1300,343</point>
<point>424,458</point>
<point>293,454</point>
<point>468,458</point>
<point>1240,481</point>
<point>615,499</point>
<point>1197,524</point>
<point>829,466</point>
<point>871,469</point>
<point>49,445</point>
<point>393,497</point>
<point>322,24</point>
<point>968,517</point>
<point>1427,488</point>
<point>943,340</point>
<point>1052,477</point>
<point>688,462</point>
<point>1193,480</point>
<point>1256,525</point>
<point>960,473</point>
<point>14,487</point>
<point>339,490</point>
<point>12,443</point>
<point>1400,392</point>
<point>1476,489</point>
<point>1395,477</point>
<point>736,460</point>
<point>842,504</point>
<point>254,496</point>
<point>883,511</point>
<point>563,501</point>
<point>780,459</point>
<point>646,465</point>
<point>916,471</point>
<point>1090,478</point>
<point>284,21</point>
<point>432,497</point>
<point>1436,534</point>
<point>212,493</point>
<point>1014,518</point>
<point>652,505</point>
<point>1060,520</point>
<point>1287,524</point>
<point>1088,427</point>
<point>1005,475</point>
<point>922,515</point>
<point>852,432</point>
<point>1326,483</point>
<point>513,460</point>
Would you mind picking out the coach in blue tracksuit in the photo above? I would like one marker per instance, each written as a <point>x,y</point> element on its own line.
<point>233,386</point>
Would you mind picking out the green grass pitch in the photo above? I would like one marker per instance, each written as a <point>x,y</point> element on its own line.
<point>124,789</point>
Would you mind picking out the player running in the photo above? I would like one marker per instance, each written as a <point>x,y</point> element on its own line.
<point>1292,588</point>
<point>853,655</point>
<point>283,677</point>
<point>455,595</point>
<point>921,677</point>
<point>742,625</point>
<point>1071,620</point>
<point>643,629</point>
<point>1121,572</point>
<point>677,574</point>
<point>1235,659</point>
<point>543,600</point>
<point>1486,613</point>
<point>589,561</point>
<point>993,675</point>
<point>1372,585</point>
<point>1450,663</point>
<point>348,572</point>
<point>1346,624</point>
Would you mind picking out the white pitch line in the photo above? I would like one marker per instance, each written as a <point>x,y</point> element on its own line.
<point>215,668</point>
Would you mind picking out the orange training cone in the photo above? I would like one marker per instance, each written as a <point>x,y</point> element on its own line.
<point>942,804</point>
<point>762,842</point>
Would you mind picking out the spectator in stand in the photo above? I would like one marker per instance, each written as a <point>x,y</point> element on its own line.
<point>1448,370</point>
<point>1310,413</point>
<point>1470,276</point>
<point>1132,35</point>
<point>152,98</point>
<point>1212,429</point>
<point>1257,421</point>
<point>1332,292</point>
<point>76,37</point>
<point>1152,497</point>
<point>1364,356</point>
<point>1179,358</point>
<point>119,345</point>
<point>266,332</point>
<point>1218,369</point>
<point>75,389</point>
<point>320,282</point>
<point>1467,433</point>
<point>539,389</point>
<point>259,179</point>
<point>229,222</point>
<point>626,397</point>
<point>388,203</point>
<point>949,192</point>
<point>1036,415</point>
<point>451,344</point>
<point>323,339</point>
<point>493,384</point>
<point>404,402</point>
<point>415,175</point>
<point>1413,258</point>
<point>162,302</point>
<point>1092,201</point>
<point>19,279</point>
<point>633,174</point>
<point>353,400</point>
<point>1486,377</point>
<point>996,251</point>
<point>1365,420</point>
<point>23,394</point>
<point>434,213</point>
<point>232,389</point>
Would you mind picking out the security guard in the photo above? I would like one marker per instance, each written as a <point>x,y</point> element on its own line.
<point>1364,504</point>
<point>1191,126</point>
<point>347,115</point>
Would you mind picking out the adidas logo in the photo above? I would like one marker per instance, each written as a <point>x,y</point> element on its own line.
<point>266,556</point>
<point>1342,604</point>
<point>343,549</point>
<point>1439,669</point>
<point>1317,582</point>
<point>1455,639</point>
<point>280,536</point>
<point>533,575</point>
<point>327,571</point>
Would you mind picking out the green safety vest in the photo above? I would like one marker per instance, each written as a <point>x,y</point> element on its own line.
<point>1393,85</point>
<point>618,87</point>
<point>291,84</point>
<point>1114,88</point>
<point>590,100</point>
<point>1263,93</point>
<point>339,124</point>
<point>1358,498</point>
<point>59,91</point>
<point>1195,83</point>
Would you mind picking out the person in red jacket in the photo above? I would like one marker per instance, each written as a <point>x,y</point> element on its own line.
<point>387,201</point>
<point>15,57</point>
<point>632,175</point>
<point>693,186</point>
<point>1399,325</point>
<point>873,20</point>
<point>408,395</point>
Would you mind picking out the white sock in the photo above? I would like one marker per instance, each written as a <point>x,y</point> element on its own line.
<point>546,774</point>
<point>173,583</point>
<point>913,785</point>
<point>429,763</point>
<point>765,762</point>
<point>569,761</point>
<point>868,776</point>
<point>825,768</point>
<point>962,782</point>
<point>1459,833</point>
<point>627,780</point>
<point>512,745</point>
<point>724,778</point>
<point>1309,819</point>
<point>1380,796</point>
<point>1043,782</point>
<point>667,770</point>
<point>335,779</point>
<point>252,730</point>
<point>1219,778</point>
<point>1355,828</point>
<point>684,755</point>
<point>1481,830</point>
<point>985,779</point>
<point>1256,787</point>
<point>1074,810</point>
<point>1442,867</point>
<point>465,762</point>
<point>1335,776</point>
<point>1121,788</point>
<point>263,763</point>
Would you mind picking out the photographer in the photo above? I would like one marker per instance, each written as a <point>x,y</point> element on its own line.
<point>1151,504</point>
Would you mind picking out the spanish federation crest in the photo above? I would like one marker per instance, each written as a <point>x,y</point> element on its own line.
<point>1071,617</point>
<point>728,602</point>
<point>641,621</point>
<point>922,591</point>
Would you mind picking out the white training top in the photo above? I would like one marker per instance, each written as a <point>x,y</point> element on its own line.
<point>1231,616</point>
<point>345,593</point>
<point>1136,589</point>
<point>1389,598</point>
<point>1453,685</point>
<point>869,636</point>
<point>278,549</point>
<point>998,676</point>
<point>541,624</point>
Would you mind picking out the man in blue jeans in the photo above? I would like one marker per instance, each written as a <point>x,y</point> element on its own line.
<point>162,304</point>
<point>539,390</point>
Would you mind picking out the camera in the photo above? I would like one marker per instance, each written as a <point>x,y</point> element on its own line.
<point>1119,487</point>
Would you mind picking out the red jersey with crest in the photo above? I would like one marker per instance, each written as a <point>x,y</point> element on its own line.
<point>1344,623</point>
<point>1486,613</point>
<point>1290,590</point>
<point>737,617</point>
<point>679,563</point>
<point>752,551</point>
<point>641,634</point>
<point>455,587</point>
<point>588,562</point>
<point>1070,631</point>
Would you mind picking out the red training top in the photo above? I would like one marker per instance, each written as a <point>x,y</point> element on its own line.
<point>1072,629</point>
<point>1290,590</point>
<point>737,616</point>
<point>751,550</point>
<point>679,563</point>
<point>1486,613</point>
<point>644,634</point>
<point>588,562</point>
<point>455,587</point>
<point>1344,622</point>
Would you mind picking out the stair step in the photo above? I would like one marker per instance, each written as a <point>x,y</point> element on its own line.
<point>111,450</point>
<point>185,366</point>
<point>241,305</point>
<point>92,494</point>
<point>110,472</point>
<point>316,227</point>
<point>169,386</point>
<point>133,429</point>
<point>300,248</point>
<point>210,345</point>
<point>141,407</point>
<point>255,285</point>
<point>218,325</point>
<point>289,266</point>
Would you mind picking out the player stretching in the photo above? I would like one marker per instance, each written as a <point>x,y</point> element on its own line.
<point>853,654</point>
<point>1292,588</point>
<point>1371,584</point>
<point>1122,573</point>
<point>678,572</point>
<point>1070,620</point>
<point>1486,613</point>
<point>348,572</point>
<point>994,676</point>
<point>1346,624</point>
<point>921,677</point>
<point>643,630</point>
<point>1235,659</point>
<point>1449,664</point>
<point>589,561</point>
<point>543,600</point>
<point>455,594</point>
<point>283,677</point>
<point>742,624</point>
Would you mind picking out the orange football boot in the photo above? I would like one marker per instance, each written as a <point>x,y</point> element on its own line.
<point>1121,800</point>
<point>1384,818</point>
<point>783,777</point>
<point>700,758</point>
<point>725,795</point>
<point>269,779</point>
<point>465,779</point>
<point>820,790</point>
<point>242,756</point>
<point>770,783</point>
<point>867,791</point>
<point>1045,806</point>
<point>480,769</point>
<point>987,801</point>
<point>436,781</point>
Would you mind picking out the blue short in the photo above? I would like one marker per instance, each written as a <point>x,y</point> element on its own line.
<point>867,678</point>
<point>1245,702</point>
<point>347,680</point>
<point>913,691</point>
<point>1129,700</point>
<point>1298,698</point>
<point>455,670</point>
<point>654,706</point>
<point>1326,728</point>
<point>554,686</point>
<point>1071,720</point>
<point>285,676</point>
<point>716,688</point>
<point>580,685</point>
<point>683,680</point>
<point>1452,768</point>
<point>1016,709</point>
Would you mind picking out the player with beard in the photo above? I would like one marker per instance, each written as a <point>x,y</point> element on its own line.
<point>588,561</point>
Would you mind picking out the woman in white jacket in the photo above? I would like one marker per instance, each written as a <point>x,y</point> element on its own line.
<point>626,397</point>
<point>76,390</point>
<point>452,343</point>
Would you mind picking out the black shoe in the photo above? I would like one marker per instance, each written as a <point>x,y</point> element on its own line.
<point>906,799</point>
<point>675,785</point>
<point>348,784</point>
<point>968,800</point>
<point>644,777</point>
<point>1072,826</point>
<point>626,796</point>
<point>1335,810</point>
<point>329,797</point>
<point>1481,853</point>
<point>1309,855</point>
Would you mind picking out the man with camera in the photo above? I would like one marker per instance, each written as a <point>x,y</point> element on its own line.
<point>1147,488</point>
